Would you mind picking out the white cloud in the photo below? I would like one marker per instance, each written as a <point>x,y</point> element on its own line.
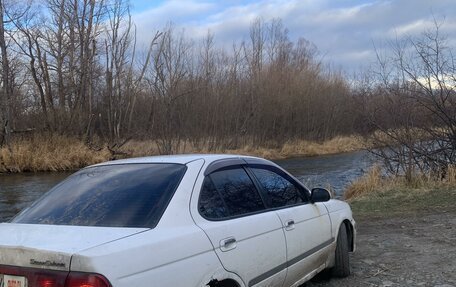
<point>179,11</point>
<point>343,30</point>
<point>414,27</point>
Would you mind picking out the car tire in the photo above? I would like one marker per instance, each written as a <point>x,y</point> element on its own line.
<point>342,261</point>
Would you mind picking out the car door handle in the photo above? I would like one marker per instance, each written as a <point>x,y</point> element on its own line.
<point>290,224</point>
<point>228,244</point>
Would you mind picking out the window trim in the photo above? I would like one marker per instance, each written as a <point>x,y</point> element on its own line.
<point>223,164</point>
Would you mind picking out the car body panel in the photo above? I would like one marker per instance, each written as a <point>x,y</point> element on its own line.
<point>307,238</point>
<point>263,265</point>
<point>157,253</point>
<point>339,212</point>
<point>52,245</point>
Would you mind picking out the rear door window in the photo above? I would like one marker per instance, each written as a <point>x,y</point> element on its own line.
<point>130,195</point>
<point>211,204</point>
<point>229,193</point>
<point>279,190</point>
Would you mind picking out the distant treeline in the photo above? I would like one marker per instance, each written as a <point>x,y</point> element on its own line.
<point>76,67</point>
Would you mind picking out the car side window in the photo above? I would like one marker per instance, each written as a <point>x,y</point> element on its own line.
<point>211,204</point>
<point>228,193</point>
<point>280,191</point>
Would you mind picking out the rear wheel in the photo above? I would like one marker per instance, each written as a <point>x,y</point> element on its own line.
<point>342,260</point>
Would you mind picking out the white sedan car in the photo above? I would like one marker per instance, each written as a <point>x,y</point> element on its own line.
<point>187,220</point>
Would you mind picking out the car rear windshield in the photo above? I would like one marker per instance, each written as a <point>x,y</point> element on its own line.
<point>130,195</point>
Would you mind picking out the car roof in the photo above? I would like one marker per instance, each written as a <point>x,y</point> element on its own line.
<point>178,159</point>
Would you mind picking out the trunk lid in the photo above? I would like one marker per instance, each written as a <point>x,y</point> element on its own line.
<point>51,246</point>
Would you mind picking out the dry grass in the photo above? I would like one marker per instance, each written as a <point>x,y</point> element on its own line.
<point>451,175</point>
<point>289,149</point>
<point>53,153</point>
<point>370,183</point>
<point>136,148</point>
<point>58,153</point>
<point>379,196</point>
<point>374,184</point>
<point>332,146</point>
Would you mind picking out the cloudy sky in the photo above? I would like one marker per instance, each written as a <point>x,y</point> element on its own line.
<point>345,31</point>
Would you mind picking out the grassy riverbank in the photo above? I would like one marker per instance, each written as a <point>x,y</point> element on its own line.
<point>398,202</point>
<point>375,195</point>
<point>51,153</point>
<point>58,153</point>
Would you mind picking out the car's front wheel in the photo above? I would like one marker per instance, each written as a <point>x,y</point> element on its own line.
<point>342,260</point>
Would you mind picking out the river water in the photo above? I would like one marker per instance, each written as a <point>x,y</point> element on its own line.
<point>329,171</point>
<point>17,191</point>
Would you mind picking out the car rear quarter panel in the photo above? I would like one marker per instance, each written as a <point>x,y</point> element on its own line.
<point>178,256</point>
<point>175,253</point>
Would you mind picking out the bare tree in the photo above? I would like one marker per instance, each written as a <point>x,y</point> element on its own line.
<point>124,75</point>
<point>417,119</point>
<point>171,71</point>
<point>5,102</point>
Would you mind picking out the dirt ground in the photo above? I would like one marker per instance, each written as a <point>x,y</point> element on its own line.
<point>409,250</point>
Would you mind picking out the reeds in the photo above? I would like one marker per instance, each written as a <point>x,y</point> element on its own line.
<point>53,153</point>
<point>374,183</point>
<point>367,184</point>
<point>335,145</point>
<point>295,148</point>
<point>59,153</point>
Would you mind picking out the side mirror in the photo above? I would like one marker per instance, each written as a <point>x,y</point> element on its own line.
<point>319,194</point>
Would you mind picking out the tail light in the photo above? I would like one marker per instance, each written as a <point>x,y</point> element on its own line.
<point>76,279</point>
<point>50,278</point>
